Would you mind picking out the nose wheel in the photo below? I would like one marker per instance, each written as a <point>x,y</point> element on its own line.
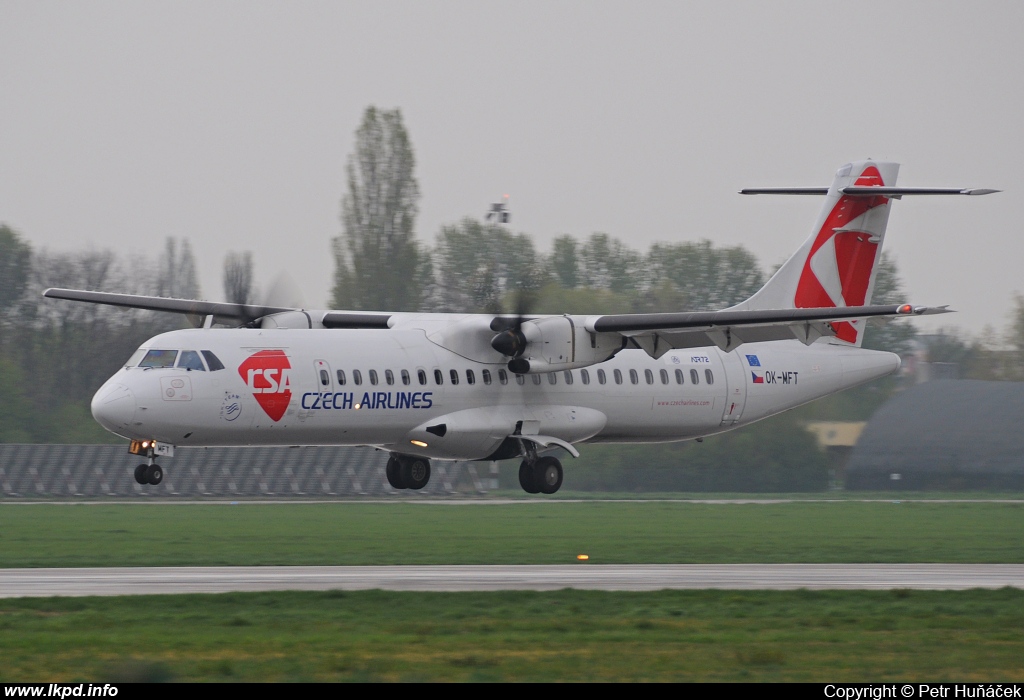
<point>151,474</point>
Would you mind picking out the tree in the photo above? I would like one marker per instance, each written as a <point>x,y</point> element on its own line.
<point>479,265</point>
<point>607,263</point>
<point>176,276</point>
<point>704,278</point>
<point>15,259</point>
<point>565,262</point>
<point>378,263</point>
<point>238,277</point>
<point>893,335</point>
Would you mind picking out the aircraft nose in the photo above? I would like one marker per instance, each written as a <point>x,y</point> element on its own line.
<point>114,407</point>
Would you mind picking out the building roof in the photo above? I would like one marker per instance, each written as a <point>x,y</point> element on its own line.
<point>945,426</point>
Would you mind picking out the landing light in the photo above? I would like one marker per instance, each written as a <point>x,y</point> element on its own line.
<point>418,443</point>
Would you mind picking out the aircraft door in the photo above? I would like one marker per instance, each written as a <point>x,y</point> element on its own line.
<point>735,387</point>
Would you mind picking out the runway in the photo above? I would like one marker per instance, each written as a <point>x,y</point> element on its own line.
<point>162,580</point>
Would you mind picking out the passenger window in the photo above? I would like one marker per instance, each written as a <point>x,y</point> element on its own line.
<point>406,379</point>
<point>552,377</point>
<point>585,376</point>
<point>502,377</point>
<point>536,379</point>
<point>649,376</point>
<point>618,377</point>
<point>520,379</point>
<point>325,378</point>
<point>486,374</point>
<point>568,377</point>
<point>709,376</point>
<point>664,376</point>
<point>634,377</point>
<point>357,377</point>
<point>601,376</point>
<point>213,361</point>
<point>422,376</point>
<point>455,376</point>
<point>694,377</point>
<point>389,377</point>
<point>470,377</point>
<point>679,376</point>
<point>341,377</point>
<point>438,377</point>
<point>373,377</point>
<point>190,360</point>
<point>159,358</point>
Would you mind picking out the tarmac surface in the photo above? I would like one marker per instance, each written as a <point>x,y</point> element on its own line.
<point>162,580</point>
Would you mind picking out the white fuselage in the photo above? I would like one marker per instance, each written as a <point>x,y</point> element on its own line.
<point>284,387</point>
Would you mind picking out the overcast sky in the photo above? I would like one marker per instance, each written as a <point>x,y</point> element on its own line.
<point>230,122</point>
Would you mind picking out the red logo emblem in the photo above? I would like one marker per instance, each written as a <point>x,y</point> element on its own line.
<point>267,373</point>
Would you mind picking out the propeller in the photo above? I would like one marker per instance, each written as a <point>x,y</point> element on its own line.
<point>510,340</point>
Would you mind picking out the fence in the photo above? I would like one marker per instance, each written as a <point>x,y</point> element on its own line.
<point>69,471</point>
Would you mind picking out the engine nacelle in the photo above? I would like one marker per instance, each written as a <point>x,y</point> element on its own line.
<point>290,319</point>
<point>555,343</point>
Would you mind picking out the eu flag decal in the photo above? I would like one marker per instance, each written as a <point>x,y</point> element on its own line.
<point>753,361</point>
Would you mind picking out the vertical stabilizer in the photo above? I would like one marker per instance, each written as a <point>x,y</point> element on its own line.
<point>837,265</point>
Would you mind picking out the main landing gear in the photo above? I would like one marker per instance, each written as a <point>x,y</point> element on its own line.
<point>540,474</point>
<point>405,472</point>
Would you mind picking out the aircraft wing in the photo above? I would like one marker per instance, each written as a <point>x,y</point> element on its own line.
<point>658,333</point>
<point>222,312</point>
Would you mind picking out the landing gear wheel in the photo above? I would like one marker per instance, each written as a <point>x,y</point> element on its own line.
<point>416,473</point>
<point>526,478</point>
<point>547,474</point>
<point>394,473</point>
<point>154,474</point>
<point>140,474</point>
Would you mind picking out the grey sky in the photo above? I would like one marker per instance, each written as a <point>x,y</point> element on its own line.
<point>230,122</point>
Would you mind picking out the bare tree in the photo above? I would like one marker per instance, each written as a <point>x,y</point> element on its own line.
<point>238,277</point>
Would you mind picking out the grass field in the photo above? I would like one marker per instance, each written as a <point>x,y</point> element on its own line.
<point>518,635</point>
<point>514,635</point>
<point>521,533</point>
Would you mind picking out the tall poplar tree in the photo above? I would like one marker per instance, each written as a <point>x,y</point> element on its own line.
<point>378,262</point>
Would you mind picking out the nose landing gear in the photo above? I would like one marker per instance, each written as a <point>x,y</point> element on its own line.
<point>406,472</point>
<point>151,474</point>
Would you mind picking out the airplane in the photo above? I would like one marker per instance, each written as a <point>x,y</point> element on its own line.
<point>441,386</point>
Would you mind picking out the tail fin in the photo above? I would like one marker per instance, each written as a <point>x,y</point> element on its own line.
<point>837,265</point>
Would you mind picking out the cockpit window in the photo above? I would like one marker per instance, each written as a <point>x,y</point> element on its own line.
<point>211,359</point>
<point>190,360</point>
<point>159,358</point>
<point>133,361</point>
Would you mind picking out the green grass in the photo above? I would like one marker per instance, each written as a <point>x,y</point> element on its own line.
<point>524,533</point>
<point>526,636</point>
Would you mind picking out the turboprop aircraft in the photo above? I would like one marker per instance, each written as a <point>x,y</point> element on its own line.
<point>426,386</point>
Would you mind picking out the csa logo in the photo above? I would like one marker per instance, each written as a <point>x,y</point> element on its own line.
<point>267,373</point>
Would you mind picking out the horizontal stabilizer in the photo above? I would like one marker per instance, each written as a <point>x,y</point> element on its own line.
<point>872,191</point>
